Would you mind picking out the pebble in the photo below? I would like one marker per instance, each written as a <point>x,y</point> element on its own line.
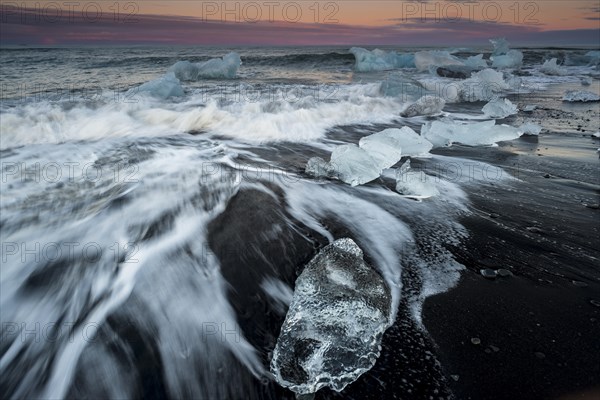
<point>504,273</point>
<point>494,349</point>
<point>595,303</point>
<point>593,206</point>
<point>455,377</point>
<point>579,284</point>
<point>534,229</point>
<point>547,176</point>
<point>476,341</point>
<point>488,273</point>
<point>494,215</point>
<point>540,355</point>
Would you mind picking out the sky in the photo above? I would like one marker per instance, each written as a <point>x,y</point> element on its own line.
<point>299,22</point>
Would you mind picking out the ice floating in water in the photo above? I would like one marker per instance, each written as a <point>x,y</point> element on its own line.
<point>530,108</point>
<point>586,81</point>
<point>426,59</point>
<point>384,147</point>
<point>225,67</point>
<point>426,105</point>
<point>551,67</point>
<point>354,165</point>
<point>580,96</point>
<point>445,133</point>
<point>318,167</point>
<point>333,329</point>
<point>499,108</point>
<point>379,60</point>
<point>530,129</point>
<point>413,144</point>
<point>415,184</point>
<point>165,86</point>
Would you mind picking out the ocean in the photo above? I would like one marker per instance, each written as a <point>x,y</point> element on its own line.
<point>152,235</point>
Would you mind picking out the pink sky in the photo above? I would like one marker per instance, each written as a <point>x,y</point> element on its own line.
<point>347,22</point>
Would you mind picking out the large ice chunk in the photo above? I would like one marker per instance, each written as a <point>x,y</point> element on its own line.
<point>333,329</point>
<point>413,144</point>
<point>551,67</point>
<point>476,62</point>
<point>445,133</point>
<point>165,86</point>
<point>426,59</point>
<point>385,147</point>
<point>415,184</point>
<point>225,67</point>
<point>512,59</point>
<point>580,96</point>
<point>499,108</point>
<point>426,105</point>
<point>379,60</point>
<point>484,85</point>
<point>354,165</point>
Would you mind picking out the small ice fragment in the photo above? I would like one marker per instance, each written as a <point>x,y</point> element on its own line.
<point>580,96</point>
<point>530,108</point>
<point>354,165</point>
<point>319,168</point>
<point>530,129</point>
<point>165,86</point>
<point>586,81</point>
<point>426,105</point>
<point>512,59</point>
<point>333,329</point>
<point>483,86</point>
<point>500,108</point>
<point>597,134</point>
<point>415,184</point>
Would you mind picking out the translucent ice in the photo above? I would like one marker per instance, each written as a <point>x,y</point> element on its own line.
<point>165,86</point>
<point>426,105</point>
<point>530,129</point>
<point>426,59</point>
<point>405,88</point>
<point>512,59</point>
<point>225,67</point>
<point>476,62</point>
<point>413,183</point>
<point>551,67</point>
<point>413,144</point>
<point>580,96</point>
<point>445,133</point>
<point>379,60</point>
<point>354,165</point>
<point>484,85</point>
<point>384,147</point>
<point>501,46</point>
<point>593,57</point>
<point>320,168</point>
<point>333,329</point>
<point>499,108</point>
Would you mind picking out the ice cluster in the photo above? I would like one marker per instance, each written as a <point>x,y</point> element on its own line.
<point>484,85</point>
<point>379,60</point>
<point>357,165</point>
<point>424,60</point>
<point>499,108</point>
<point>445,133</point>
<point>224,68</point>
<point>580,96</point>
<point>333,329</point>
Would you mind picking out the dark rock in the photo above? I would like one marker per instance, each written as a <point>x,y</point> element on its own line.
<point>455,71</point>
<point>534,229</point>
<point>540,355</point>
<point>488,273</point>
<point>504,273</point>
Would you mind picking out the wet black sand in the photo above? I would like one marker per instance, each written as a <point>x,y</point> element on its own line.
<point>539,329</point>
